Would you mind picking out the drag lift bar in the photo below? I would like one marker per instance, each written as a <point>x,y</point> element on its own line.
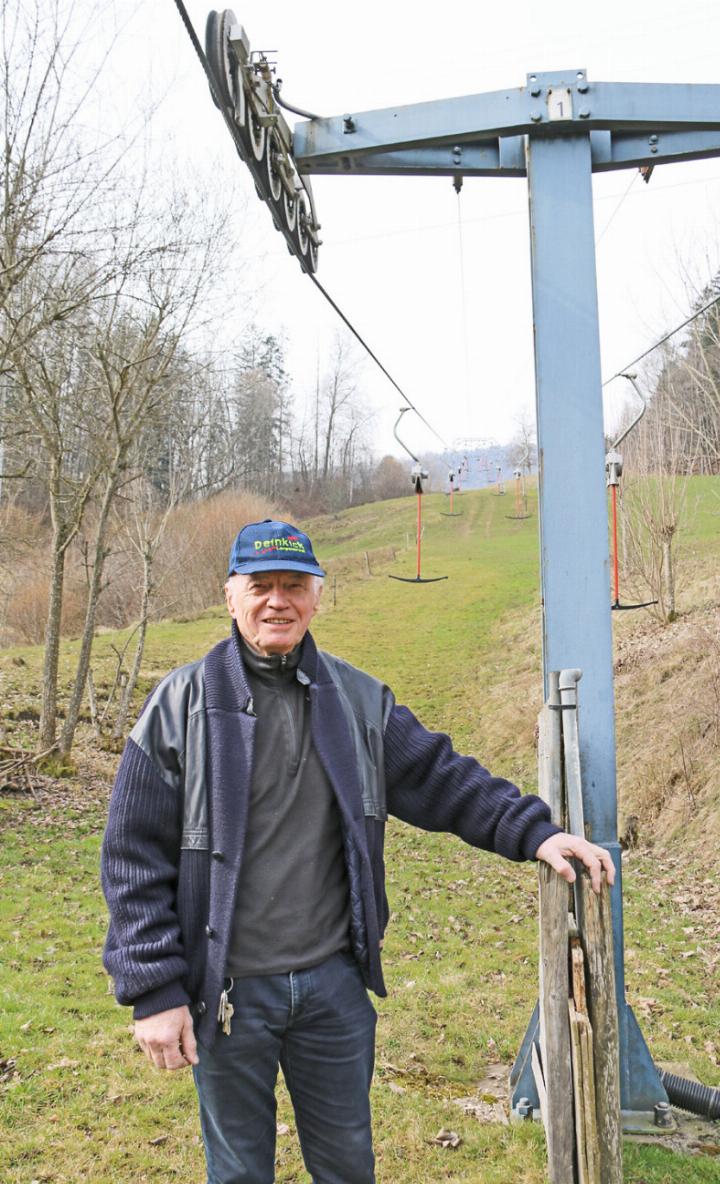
<point>417,475</point>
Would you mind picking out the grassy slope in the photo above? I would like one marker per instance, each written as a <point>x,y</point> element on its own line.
<point>78,1102</point>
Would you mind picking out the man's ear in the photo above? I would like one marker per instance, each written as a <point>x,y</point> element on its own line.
<point>227,589</point>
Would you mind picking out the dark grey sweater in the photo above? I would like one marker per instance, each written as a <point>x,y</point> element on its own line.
<point>292,904</point>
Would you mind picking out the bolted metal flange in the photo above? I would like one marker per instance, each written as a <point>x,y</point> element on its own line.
<point>662,1114</point>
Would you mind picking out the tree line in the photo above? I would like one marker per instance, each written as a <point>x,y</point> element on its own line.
<point>116,410</point>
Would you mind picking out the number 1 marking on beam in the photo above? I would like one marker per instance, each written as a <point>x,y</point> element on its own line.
<point>559,102</point>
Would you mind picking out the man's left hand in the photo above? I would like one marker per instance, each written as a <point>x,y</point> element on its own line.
<point>559,848</point>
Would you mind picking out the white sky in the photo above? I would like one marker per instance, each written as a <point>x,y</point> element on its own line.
<point>390,254</point>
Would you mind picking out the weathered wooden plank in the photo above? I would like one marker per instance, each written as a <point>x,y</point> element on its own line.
<point>578,1096</point>
<point>595,925</point>
<point>554,1026</point>
<point>586,1131</point>
<point>592,1144</point>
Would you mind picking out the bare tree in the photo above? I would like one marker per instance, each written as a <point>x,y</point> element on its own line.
<point>131,356</point>
<point>54,396</point>
<point>57,255</point>
<point>655,502</point>
<point>101,276</point>
<point>144,524</point>
<point>522,450</point>
<point>330,451</point>
<point>390,478</point>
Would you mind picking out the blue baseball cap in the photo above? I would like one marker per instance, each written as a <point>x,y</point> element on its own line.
<point>272,546</point>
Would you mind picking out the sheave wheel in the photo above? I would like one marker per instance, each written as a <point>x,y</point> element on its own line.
<point>273,156</point>
<point>221,59</point>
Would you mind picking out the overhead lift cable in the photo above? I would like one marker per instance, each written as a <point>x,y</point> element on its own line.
<point>301,236</point>
<point>410,405</point>
<point>457,185</point>
<point>683,324</point>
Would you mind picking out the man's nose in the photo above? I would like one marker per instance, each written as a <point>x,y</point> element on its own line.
<point>278,596</point>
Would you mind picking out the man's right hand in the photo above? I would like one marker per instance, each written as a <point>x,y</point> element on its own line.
<point>168,1039</point>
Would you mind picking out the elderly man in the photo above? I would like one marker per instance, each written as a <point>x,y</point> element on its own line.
<point>243,866</point>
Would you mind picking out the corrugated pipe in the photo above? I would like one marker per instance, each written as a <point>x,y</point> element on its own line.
<point>691,1095</point>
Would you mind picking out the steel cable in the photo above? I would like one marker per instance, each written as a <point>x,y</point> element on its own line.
<point>180,6</point>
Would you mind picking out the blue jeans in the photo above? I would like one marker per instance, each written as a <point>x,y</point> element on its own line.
<point>319,1026</point>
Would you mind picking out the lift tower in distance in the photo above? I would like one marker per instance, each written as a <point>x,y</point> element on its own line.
<point>556,130</point>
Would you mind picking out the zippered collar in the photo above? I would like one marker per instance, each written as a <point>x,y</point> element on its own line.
<point>274,669</point>
<point>227,685</point>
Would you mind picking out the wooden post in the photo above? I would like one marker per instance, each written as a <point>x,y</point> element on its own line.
<point>595,926</point>
<point>554,1033</point>
<point>554,1076</point>
<point>579,1048</point>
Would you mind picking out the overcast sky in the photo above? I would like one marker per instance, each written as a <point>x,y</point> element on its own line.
<point>391,246</point>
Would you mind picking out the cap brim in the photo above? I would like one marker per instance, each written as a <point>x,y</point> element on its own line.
<point>252,565</point>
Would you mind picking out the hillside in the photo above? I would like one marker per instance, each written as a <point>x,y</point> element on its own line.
<point>467,652</point>
<point>79,1104</point>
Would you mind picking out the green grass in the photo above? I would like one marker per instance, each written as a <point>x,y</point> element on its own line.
<point>81,1104</point>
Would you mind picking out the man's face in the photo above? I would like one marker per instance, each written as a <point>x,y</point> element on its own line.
<point>273,609</point>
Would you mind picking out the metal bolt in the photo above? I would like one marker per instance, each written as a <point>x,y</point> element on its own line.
<point>663,1114</point>
<point>535,90</point>
<point>536,116</point>
<point>652,139</point>
<point>582,86</point>
<point>457,151</point>
<point>524,1108</point>
<point>348,123</point>
<point>584,112</point>
<point>653,148</point>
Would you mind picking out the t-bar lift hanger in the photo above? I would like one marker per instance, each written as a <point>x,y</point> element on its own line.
<point>452,513</point>
<point>521,502</point>
<point>417,475</point>
<point>613,473</point>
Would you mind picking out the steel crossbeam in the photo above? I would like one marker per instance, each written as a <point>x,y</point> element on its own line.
<point>452,135</point>
<point>505,157</point>
<point>557,130</point>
